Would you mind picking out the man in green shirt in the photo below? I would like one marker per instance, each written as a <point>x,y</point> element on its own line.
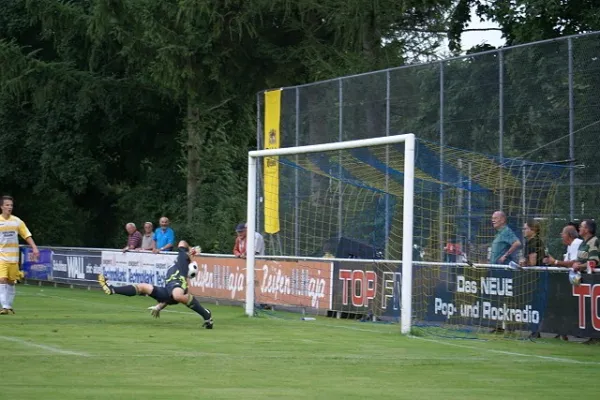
<point>587,255</point>
<point>506,243</point>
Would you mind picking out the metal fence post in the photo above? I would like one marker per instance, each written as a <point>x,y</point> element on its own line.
<point>387,163</point>
<point>259,129</point>
<point>442,141</point>
<point>571,133</point>
<point>340,138</point>
<point>501,121</point>
<point>296,180</point>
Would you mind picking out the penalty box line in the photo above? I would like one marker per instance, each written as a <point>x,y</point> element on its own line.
<point>474,348</point>
<point>50,349</point>
<point>102,304</point>
<point>508,353</point>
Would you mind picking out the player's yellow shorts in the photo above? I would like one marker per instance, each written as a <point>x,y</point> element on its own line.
<point>9,271</point>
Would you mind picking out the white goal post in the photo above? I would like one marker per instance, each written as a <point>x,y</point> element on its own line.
<point>407,217</point>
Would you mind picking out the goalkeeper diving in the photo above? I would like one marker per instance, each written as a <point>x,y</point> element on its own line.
<point>175,289</point>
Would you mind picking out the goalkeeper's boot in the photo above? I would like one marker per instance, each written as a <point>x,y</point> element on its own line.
<point>208,323</point>
<point>105,287</point>
<point>5,311</point>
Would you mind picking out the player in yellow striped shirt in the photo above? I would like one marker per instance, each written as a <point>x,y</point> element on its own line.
<point>10,228</point>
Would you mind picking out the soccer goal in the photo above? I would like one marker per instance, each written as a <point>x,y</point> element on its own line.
<point>396,229</point>
<point>309,156</point>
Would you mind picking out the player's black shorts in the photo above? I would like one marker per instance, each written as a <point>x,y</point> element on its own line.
<point>163,294</point>
<point>172,285</point>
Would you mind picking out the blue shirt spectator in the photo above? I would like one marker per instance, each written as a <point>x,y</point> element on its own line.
<point>164,237</point>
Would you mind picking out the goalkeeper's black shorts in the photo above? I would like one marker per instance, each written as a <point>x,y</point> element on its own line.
<point>162,295</point>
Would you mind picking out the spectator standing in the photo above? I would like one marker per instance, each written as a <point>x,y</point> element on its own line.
<point>164,236</point>
<point>535,250</point>
<point>506,243</point>
<point>576,226</point>
<point>148,236</point>
<point>587,255</point>
<point>11,228</point>
<point>239,248</point>
<point>570,238</point>
<point>134,238</point>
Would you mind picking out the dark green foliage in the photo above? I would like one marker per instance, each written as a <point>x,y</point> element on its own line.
<point>125,111</point>
<point>523,21</point>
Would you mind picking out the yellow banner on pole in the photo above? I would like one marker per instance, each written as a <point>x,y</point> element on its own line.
<point>271,164</point>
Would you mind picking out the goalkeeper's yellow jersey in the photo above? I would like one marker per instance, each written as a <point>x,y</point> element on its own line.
<point>10,229</point>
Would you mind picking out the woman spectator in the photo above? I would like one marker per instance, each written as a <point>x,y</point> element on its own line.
<point>535,250</point>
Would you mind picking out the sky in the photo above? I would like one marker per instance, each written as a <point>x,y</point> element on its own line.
<point>470,39</point>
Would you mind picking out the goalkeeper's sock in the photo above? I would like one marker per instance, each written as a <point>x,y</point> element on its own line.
<point>194,304</point>
<point>128,290</point>
<point>4,295</point>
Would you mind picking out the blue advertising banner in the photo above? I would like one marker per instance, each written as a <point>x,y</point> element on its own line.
<point>78,266</point>
<point>41,268</point>
<point>486,297</point>
<point>445,295</point>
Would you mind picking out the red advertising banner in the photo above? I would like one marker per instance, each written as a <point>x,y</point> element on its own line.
<point>289,283</point>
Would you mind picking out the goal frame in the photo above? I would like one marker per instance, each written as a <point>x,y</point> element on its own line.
<point>407,213</point>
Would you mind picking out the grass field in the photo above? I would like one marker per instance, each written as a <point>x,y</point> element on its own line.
<point>76,344</point>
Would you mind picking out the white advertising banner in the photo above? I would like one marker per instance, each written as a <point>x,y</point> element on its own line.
<point>136,267</point>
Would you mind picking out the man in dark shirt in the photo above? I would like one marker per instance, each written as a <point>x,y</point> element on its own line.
<point>588,255</point>
<point>535,250</point>
<point>174,291</point>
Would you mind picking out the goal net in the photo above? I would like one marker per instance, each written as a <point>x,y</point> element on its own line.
<point>345,223</point>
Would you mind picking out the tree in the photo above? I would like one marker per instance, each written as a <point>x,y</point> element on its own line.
<point>540,76</point>
<point>127,110</point>
<point>523,21</point>
<point>55,103</point>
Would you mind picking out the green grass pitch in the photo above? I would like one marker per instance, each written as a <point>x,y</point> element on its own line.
<point>76,344</point>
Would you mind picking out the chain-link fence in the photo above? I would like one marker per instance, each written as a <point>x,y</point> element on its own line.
<point>537,102</point>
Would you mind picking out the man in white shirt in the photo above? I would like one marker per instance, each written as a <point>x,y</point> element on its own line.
<point>570,237</point>
<point>259,244</point>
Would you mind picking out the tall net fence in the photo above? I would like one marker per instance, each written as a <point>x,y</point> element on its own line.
<point>513,129</point>
<point>536,102</point>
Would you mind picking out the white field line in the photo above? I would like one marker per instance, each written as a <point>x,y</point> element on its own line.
<point>121,306</point>
<point>170,310</point>
<point>220,356</point>
<point>474,348</point>
<point>325,325</point>
<point>508,353</point>
<point>49,349</point>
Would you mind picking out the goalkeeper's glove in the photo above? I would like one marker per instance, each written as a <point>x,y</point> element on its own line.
<point>155,311</point>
